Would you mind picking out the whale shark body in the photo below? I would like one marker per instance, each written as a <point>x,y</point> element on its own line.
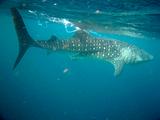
<point>82,44</point>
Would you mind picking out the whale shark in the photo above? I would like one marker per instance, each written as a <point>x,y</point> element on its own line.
<point>81,44</point>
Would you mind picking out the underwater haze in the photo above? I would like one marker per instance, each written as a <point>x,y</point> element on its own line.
<point>51,86</point>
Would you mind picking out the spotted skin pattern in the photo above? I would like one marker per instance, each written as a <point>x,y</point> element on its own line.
<point>84,45</point>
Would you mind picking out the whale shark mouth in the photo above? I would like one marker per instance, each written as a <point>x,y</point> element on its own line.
<point>144,55</point>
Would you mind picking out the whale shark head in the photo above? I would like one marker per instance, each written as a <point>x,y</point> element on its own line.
<point>142,55</point>
<point>132,54</point>
<point>129,54</point>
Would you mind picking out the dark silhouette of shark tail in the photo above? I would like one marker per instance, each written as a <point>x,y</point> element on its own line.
<point>25,40</point>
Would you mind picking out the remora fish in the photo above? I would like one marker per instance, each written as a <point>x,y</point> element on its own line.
<point>82,44</point>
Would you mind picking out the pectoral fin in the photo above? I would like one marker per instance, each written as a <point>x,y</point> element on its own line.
<point>118,66</point>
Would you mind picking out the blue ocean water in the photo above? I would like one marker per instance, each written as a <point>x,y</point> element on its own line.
<point>54,87</point>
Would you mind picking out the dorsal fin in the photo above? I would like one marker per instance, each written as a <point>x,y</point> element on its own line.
<point>52,39</point>
<point>81,35</point>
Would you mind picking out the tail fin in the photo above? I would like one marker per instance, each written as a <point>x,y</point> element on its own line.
<point>25,40</point>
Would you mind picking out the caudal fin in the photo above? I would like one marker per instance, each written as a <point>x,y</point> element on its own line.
<point>25,40</point>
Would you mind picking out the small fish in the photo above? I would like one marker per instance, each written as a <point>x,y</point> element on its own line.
<point>82,44</point>
<point>65,70</point>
